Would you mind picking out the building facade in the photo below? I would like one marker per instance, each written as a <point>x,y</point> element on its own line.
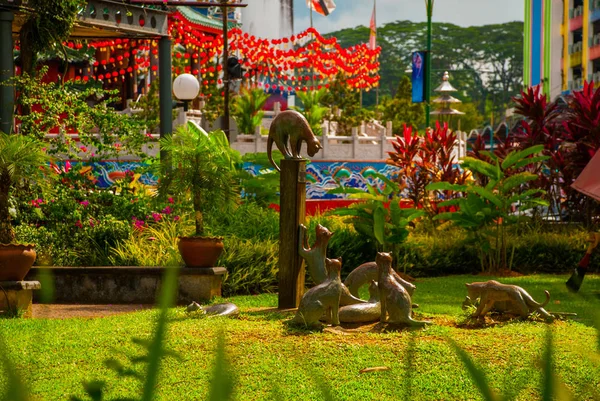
<point>561,44</point>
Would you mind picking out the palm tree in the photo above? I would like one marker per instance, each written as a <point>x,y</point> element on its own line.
<point>20,160</point>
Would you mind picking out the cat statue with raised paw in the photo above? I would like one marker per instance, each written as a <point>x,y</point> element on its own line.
<point>394,298</point>
<point>315,260</point>
<point>323,298</point>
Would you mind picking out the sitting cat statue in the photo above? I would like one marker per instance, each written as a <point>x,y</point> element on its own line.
<point>315,260</point>
<point>368,272</point>
<point>363,313</point>
<point>323,298</point>
<point>395,300</point>
<point>291,126</point>
<point>504,298</point>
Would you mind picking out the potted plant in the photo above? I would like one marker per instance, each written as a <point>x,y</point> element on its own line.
<point>20,160</point>
<point>203,167</point>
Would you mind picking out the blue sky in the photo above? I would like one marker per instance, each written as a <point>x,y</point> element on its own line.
<point>351,13</point>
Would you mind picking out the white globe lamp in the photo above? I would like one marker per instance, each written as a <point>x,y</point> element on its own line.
<point>185,88</point>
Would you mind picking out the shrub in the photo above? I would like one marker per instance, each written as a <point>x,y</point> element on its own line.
<point>252,266</point>
<point>155,245</point>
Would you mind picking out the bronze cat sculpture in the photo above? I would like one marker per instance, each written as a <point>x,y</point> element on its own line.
<point>315,260</point>
<point>323,298</point>
<point>505,298</point>
<point>395,300</point>
<point>288,130</point>
<point>363,313</point>
<point>368,272</point>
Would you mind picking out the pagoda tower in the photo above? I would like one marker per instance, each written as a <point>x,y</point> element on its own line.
<point>445,101</point>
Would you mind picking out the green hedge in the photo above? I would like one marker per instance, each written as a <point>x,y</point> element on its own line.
<point>548,250</point>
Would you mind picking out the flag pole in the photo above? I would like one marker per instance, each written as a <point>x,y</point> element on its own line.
<point>377,88</point>
<point>311,20</point>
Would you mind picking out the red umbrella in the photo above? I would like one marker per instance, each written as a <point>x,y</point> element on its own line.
<point>588,181</point>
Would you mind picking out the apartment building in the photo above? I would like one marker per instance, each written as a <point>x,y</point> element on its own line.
<point>561,44</point>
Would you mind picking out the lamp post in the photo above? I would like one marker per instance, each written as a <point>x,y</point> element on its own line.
<point>429,6</point>
<point>186,88</point>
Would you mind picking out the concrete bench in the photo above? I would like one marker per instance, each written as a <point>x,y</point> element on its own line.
<point>17,295</point>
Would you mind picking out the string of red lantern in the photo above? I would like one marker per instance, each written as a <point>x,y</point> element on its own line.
<point>301,62</point>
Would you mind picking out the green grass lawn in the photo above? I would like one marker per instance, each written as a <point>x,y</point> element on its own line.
<point>270,360</point>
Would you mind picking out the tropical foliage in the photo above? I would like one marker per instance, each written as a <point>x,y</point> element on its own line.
<point>379,216</point>
<point>203,168</point>
<point>248,110</point>
<point>313,109</point>
<point>21,159</point>
<point>486,210</point>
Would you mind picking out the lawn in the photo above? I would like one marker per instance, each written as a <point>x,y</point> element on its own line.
<point>271,360</point>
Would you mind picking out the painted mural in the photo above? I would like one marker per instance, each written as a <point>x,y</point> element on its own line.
<point>321,176</point>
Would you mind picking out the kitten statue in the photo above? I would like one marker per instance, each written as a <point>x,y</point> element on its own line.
<point>395,300</point>
<point>368,272</point>
<point>291,126</point>
<point>504,298</point>
<point>363,313</point>
<point>323,298</point>
<point>315,260</point>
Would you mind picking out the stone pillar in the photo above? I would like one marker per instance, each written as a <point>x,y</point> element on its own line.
<point>7,68</point>
<point>292,214</point>
<point>165,89</point>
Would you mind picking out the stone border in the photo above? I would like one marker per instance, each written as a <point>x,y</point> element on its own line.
<point>127,284</point>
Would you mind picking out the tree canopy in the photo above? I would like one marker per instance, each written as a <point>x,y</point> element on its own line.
<point>485,62</point>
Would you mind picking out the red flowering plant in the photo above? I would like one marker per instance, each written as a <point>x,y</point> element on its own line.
<point>570,134</point>
<point>427,159</point>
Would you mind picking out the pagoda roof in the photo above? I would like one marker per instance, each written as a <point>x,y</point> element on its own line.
<point>445,86</point>
<point>447,112</point>
<point>203,21</point>
<point>445,98</point>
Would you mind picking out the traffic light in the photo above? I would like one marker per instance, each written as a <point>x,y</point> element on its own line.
<point>234,68</point>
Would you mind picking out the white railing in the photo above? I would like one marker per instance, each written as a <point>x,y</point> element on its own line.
<point>359,146</point>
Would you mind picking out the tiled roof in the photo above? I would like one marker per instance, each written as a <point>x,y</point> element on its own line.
<point>201,19</point>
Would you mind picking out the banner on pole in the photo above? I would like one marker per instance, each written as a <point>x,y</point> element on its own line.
<point>418,77</point>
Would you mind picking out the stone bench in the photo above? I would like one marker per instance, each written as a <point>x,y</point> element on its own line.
<point>17,295</point>
<point>126,285</point>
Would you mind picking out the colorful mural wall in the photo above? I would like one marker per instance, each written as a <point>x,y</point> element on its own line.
<point>321,176</point>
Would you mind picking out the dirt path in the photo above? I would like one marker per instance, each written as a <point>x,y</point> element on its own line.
<point>63,311</point>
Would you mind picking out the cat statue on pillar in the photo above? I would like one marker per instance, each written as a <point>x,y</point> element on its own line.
<point>315,260</point>
<point>395,300</point>
<point>323,298</point>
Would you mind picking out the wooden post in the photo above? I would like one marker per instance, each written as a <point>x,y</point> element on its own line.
<point>292,213</point>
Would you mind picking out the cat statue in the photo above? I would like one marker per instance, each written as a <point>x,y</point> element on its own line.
<point>363,313</point>
<point>504,298</point>
<point>394,298</point>
<point>315,260</point>
<point>368,272</point>
<point>323,298</point>
<point>291,126</point>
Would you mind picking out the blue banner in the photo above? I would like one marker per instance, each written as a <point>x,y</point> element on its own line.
<point>418,77</point>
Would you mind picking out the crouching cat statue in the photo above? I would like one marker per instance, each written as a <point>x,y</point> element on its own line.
<point>323,298</point>
<point>363,313</point>
<point>291,126</point>
<point>504,298</point>
<point>395,300</point>
<point>368,272</point>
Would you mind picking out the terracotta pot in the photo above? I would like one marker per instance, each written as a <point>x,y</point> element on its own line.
<point>15,261</point>
<point>200,251</point>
